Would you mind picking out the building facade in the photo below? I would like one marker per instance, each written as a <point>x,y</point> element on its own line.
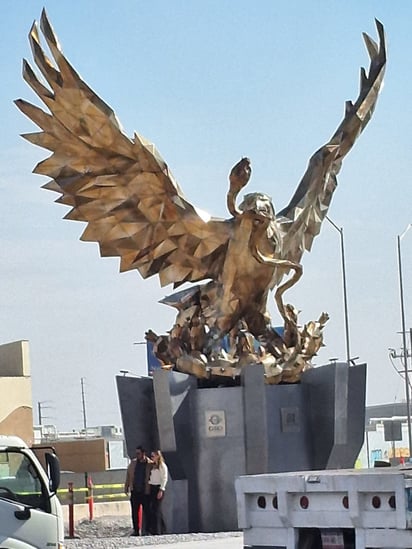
<point>16,409</point>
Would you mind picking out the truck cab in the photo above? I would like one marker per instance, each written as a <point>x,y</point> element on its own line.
<point>30,512</point>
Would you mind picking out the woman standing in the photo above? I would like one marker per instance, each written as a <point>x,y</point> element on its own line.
<point>157,481</point>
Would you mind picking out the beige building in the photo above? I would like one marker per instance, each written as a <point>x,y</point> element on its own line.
<point>16,409</point>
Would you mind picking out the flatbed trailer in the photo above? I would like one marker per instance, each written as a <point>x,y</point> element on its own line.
<point>331,509</point>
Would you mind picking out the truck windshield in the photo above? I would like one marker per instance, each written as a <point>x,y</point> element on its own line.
<point>20,481</point>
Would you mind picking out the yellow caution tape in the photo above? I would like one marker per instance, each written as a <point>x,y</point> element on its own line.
<point>66,490</point>
<point>100,486</point>
<point>105,496</point>
<point>95,487</point>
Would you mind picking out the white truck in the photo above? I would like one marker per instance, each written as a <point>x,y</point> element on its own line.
<point>30,512</point>
<point>330,509</point>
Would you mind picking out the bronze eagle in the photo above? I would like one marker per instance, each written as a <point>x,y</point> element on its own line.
<point>123,189</point>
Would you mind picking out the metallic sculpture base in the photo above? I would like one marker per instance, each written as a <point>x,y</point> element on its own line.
<point>211,436</point>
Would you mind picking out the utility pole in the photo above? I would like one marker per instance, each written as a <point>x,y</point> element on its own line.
<point>405,350</point>
<point>84,405</point>
<point>39,412</point>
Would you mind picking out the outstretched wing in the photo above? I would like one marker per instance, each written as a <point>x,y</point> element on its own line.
<point>120,187</point>
<point>300,221</point>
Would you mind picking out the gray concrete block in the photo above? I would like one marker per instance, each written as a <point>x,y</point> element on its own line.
<point>210,436</point>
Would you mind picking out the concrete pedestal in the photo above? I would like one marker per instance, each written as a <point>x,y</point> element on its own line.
<point>211,436</point>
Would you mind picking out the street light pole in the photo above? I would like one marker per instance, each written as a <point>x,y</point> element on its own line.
<point>405,351</point>
<point>345,294</point>
<point>84,406</point>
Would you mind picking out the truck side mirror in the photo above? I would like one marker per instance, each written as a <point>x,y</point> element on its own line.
<point>53,471</point>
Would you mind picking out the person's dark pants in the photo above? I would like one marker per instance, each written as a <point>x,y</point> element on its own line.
<point>138,499</point>
<point>157,524</point>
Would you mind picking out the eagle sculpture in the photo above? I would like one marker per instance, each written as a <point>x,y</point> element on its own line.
<point>125,193</point>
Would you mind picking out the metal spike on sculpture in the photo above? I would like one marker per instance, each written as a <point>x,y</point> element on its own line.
<point>134,209</point>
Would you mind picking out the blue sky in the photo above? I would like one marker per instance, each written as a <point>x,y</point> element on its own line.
<point>208,82</point>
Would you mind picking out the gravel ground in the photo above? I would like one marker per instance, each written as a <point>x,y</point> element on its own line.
<point>113,532</point>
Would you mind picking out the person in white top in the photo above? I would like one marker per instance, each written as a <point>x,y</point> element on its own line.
<point>157,482</point>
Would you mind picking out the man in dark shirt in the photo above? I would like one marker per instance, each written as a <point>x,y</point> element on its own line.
<point>137,483</point>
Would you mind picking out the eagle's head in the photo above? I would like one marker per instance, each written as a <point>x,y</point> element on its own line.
<point>259,204</point>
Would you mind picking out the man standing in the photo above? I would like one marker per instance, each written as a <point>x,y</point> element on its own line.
<point>137,483</point>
